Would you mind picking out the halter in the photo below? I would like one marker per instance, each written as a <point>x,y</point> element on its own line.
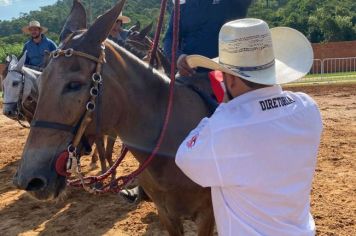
<point>70,156</point>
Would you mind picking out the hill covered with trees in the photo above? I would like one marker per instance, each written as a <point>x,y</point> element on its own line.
<point>321,21</point>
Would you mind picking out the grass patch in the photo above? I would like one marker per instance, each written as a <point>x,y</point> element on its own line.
<point>327,78</point>
<point>344,74</point>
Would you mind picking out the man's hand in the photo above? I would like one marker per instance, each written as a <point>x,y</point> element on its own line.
<point>183,67</point>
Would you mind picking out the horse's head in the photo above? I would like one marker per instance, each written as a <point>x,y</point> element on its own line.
<point>13,86</point>
<point>65,87</point>
<point>140,44</point>
<point>20,90</point>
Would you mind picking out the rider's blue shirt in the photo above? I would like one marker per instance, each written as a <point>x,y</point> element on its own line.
<point>36,51</point>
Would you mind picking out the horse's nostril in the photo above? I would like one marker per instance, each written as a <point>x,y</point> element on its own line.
<point>36,184</point>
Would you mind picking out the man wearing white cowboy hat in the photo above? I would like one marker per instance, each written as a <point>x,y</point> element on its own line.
<point>258,151</point>
<point>37,45</point>
<point>117,33</point>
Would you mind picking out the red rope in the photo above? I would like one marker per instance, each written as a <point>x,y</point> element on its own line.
<point>158,31</point>
<point>171,92</point>
<point>93,179</point>
<point>128,178</point>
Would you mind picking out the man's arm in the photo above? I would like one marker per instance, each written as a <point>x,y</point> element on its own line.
<point>196,157</point>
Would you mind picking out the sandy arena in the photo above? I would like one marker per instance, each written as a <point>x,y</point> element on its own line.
<point>333,194</point>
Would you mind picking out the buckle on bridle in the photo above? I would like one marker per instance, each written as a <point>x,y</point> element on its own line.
<point>69,52</point>
<point>96,77</point>
<point>90,106</point>
<point>71,149</point>
<point>56,53</point>
<point>94,91</point>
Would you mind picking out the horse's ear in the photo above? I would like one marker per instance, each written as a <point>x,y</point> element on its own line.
<point>76,20</point>
<point>8,59</point>
<point>13,59</point>
<point>101,28</point>
<point>144,32</point>
<point>21,62</point>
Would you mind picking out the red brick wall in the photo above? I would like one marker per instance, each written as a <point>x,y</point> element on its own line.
<point>336,50</point>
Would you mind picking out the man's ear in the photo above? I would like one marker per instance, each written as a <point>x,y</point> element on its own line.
<point>231,84</point>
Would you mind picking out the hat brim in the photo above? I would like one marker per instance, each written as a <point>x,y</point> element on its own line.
<point>26,29</point>
<point>293,60</point>
<point>124,19</point>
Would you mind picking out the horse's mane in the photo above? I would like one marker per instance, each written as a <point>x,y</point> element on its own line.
<point>119,50</point>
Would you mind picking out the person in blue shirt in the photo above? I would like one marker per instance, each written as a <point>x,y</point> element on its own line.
<point>200,22</point>
<point>118,34</point>
<point>37,45</point>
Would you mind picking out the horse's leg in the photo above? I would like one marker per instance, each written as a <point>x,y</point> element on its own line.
<point>110,142</point>
<point>206,222</point>
<point>99,142</point>
<point>173,226</point>
<point>94,159</point>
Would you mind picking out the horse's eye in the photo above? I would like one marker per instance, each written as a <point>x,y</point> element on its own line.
<point>15,83</point>
<point>73,86</point>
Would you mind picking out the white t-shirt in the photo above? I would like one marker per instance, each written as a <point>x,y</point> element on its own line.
<point>258,154</point>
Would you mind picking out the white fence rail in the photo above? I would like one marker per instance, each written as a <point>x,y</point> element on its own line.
<point>331,69</point>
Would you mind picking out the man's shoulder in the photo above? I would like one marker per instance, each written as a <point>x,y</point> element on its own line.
<point>27,42</point>
<point>302,97</point>
<point>48,40</point>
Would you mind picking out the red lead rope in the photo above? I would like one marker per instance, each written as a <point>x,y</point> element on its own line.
<point>124,180</point>
<point>171,85</point>
<point>158,31</point>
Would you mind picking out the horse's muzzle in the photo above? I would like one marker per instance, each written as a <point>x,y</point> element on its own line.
<point>10,110</point>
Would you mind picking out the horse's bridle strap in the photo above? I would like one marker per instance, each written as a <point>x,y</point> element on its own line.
<point>70,52</point>
<point>53,125</point>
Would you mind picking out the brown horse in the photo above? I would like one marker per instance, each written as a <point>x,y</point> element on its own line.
<point>134,100</point>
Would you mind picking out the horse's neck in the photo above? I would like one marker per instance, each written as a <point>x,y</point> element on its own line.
<point>142,96</point>
<point>32,76</point>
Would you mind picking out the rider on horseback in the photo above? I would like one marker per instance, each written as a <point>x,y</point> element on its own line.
<point>37,45</point>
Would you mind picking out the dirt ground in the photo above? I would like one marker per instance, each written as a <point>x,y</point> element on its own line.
<point>333,195</point>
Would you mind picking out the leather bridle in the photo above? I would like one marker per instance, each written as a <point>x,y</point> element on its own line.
<point>77,130</point>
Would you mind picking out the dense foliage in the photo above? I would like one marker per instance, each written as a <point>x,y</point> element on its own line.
<point>321,21</point>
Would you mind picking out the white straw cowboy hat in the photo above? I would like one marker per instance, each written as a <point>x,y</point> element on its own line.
<point>250,50</point>
<point>124,19</point>
<point>36,24</point>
